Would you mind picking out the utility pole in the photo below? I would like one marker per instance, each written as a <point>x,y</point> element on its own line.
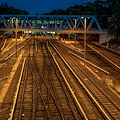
<point>12,22</point>
<point>12,25</point>
<point>84,41</point>
<point>75,30</point>
<point>16,35</point>
<point>69,36</point>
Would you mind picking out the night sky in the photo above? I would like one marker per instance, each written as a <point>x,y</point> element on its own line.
<point>42,6</point>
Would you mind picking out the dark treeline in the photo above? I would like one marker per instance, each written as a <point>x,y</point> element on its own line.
<point>98,7</point>
<point>5,10</point>
<point>106,11</point>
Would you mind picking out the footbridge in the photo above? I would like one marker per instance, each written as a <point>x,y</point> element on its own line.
<point>51,23</point>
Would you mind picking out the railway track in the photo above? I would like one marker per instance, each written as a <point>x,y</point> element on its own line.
<point>106,63</point>
<point>3,41</point>
<point>44,89</point>
<point>12,51</point>
<point>23,104</point>
<point>53,84</point>
<point>103,62</point>
<point>103,102</point>
<point>104,48</point>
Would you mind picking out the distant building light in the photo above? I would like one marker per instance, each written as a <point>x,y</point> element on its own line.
<point>27,31</point>
<point>42,27</point>
<point>52,32</point>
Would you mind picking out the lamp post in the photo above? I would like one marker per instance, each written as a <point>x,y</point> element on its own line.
<point>69,36</point>
<point>84,41</point>
<point>12,23</point>
<point>16,35</point>
<point>75,30</point>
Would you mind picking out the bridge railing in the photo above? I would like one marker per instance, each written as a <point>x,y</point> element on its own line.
<point>50,22</point>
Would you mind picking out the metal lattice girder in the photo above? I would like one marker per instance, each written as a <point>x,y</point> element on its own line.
<point>53,23</point>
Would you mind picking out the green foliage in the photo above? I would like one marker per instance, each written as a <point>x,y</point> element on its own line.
<point>114,28</point>
<point>5,9</point>
<point>114,21</point>
<point>106,11</point>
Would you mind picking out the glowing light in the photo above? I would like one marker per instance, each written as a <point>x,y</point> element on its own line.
<point>27,31</point>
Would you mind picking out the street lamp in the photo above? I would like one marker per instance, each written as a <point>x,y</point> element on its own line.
<point>75,29</point>
<point>84,41</point>
<point>12,21</point>
<point>16,35</point>
<point>69,36</point>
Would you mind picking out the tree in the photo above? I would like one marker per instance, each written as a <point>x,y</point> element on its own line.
<point>5,9</point>
<point>114,20</point>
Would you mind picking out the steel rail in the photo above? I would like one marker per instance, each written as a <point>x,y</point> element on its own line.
<point>81,83</point>
<point>95,86</point>
<point>108,49</point>
<point>15,52</point>
<point>3,45</point>
<point>83,59</point>
<point>22,98</point>
<point>104,57</point>
<point>23,41</point>
<point>49,91</point>
<point>6,58</point>
<point>34,78</point>
<point>89,63</point>
<point>36,46</point>
<point>35,84</point>
<point>71,90</point>
<point>70,104</point>
<point>71,48</point>
<point>56,102</point>
<point>17,91</point>
<point>56,96</point>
